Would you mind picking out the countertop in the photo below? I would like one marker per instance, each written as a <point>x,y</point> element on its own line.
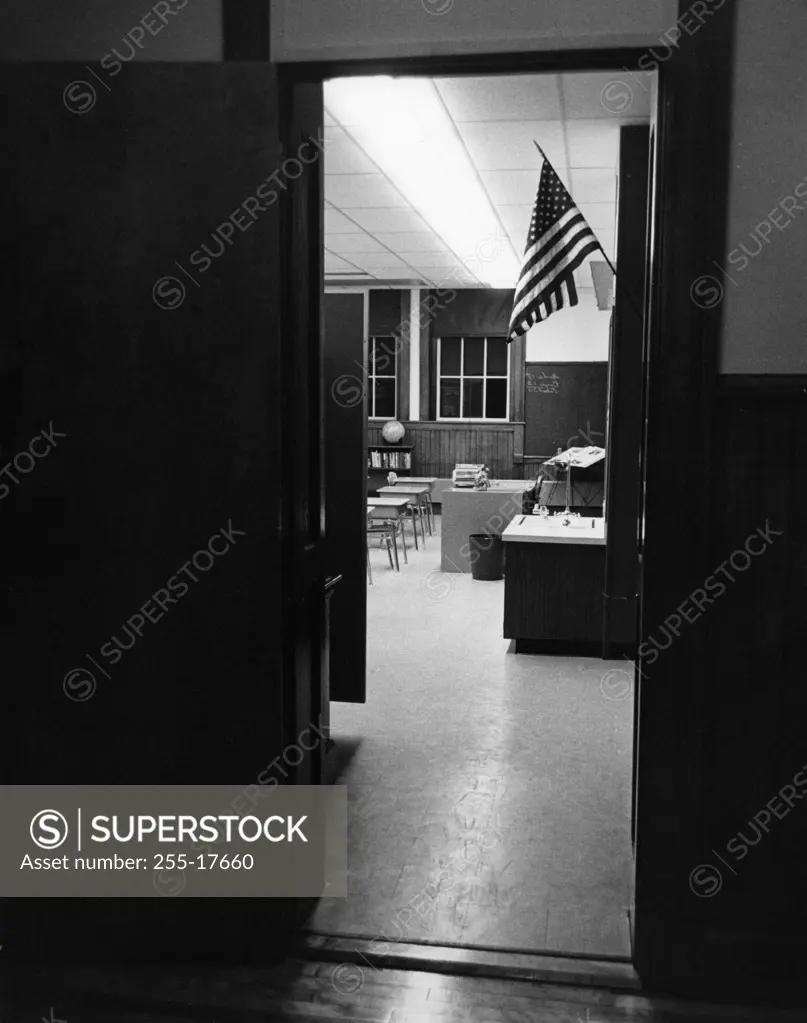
<point>538,529</point>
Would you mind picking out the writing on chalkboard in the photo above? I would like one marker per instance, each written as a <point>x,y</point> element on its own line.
<point>565,406</point>
<point>543,383</point>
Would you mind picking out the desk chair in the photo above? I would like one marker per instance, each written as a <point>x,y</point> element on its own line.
<point>418,512</point>
<point>387,533</point>
<point>413,514</point>
<point>426,513</point>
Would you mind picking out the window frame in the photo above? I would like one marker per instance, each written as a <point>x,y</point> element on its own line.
<point>372,376</point>
<point>462,377</point>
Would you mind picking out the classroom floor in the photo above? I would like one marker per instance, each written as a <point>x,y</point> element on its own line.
<point>489,792</point>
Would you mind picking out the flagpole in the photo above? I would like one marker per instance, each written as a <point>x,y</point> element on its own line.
<point>602,250</point>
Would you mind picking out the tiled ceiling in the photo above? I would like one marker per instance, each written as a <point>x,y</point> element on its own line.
<point>373,236</point>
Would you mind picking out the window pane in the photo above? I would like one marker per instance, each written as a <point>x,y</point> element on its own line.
<point>472,399</point>
<point>450,399</point>
<point>474,357</point>
<point>385,397</point>
<point>497,399</point>
<point>497,357</point>
<point>383,356</point>
<point>450,357</point>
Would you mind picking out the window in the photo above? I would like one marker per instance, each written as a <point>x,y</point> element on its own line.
<point>383,378</point>
<point>473,378</point>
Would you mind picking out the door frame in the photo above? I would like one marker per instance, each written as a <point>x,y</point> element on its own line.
<point>682,339</point>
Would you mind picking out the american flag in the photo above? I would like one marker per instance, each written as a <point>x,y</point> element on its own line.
<point>558,242</point>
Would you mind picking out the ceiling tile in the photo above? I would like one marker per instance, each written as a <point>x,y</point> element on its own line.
<point>430,260</point>
<point>389,220</point>
<point>389,274</point>
<point>519,242</point>
<point>509,98</point>
<point>514,188</point>
<point>516,218</point>
<point>343,156</point>
<point>370,260</point>
<point>328,119</point>
<point>599,214</point>
<point>498,120</point>
<point>594,185</point>
<point>346,243</point>
<point>416,241</point>
<point>356,191</point>
<point>592,143</point>
<point>609,94</point>
<point>333,262</point>
<point>510,145</point>
<point>338,223</point>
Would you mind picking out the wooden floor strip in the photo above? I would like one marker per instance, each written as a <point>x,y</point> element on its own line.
<point>465,962</point>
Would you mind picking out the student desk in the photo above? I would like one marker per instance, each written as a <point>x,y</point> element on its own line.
<point>392,509</point>
<point>427,481</point>
<point>554,577</point>
<point>418,493</point>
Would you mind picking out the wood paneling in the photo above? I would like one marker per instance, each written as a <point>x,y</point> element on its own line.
<point>737,668</point>
<point>755,705</point>
<point>553,597</point>
<point>439,446</point>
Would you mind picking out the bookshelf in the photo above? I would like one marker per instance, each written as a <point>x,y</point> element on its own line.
<point>383,459</point>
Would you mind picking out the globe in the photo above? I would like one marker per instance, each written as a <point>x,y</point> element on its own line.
<point>392,431</point>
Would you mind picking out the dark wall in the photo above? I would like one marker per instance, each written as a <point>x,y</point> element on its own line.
<point>473,312</point>
<point>50,30</point>
<point>388,311</point>
<point>388,315</point>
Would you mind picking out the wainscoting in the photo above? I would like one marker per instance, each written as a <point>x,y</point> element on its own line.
<point>757,700</point>
<point>727,880</point>
<point>439,446</point>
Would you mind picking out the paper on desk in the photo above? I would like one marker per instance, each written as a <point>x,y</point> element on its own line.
<point>580,457</point>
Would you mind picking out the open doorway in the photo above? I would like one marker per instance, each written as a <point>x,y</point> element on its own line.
<point>490,768</point>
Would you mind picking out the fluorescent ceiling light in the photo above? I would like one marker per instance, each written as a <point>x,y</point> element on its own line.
<point>403,126</point>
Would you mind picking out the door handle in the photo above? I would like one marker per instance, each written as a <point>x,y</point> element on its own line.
<point>331,581</point>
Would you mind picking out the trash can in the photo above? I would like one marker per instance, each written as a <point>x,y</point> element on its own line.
<point>486,554</point>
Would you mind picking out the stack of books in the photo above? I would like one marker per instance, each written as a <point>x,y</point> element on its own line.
<point>465,475</point>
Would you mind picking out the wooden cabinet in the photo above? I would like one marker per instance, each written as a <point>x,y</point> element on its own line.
<point>553,586</point>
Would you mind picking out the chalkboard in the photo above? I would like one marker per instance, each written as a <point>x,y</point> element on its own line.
<point>565,406</point>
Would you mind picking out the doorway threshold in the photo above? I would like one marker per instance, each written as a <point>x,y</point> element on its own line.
<point>614,973</point>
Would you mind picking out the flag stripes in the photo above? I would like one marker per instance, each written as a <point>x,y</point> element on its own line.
<point>559,240</point>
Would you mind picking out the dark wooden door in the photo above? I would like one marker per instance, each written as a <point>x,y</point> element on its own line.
<point>142,364</point>
<point>345,492</point>
<point>306,592</point>
<point>625,400</point>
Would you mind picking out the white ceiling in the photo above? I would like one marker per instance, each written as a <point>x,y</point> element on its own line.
<point>375,237</point>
